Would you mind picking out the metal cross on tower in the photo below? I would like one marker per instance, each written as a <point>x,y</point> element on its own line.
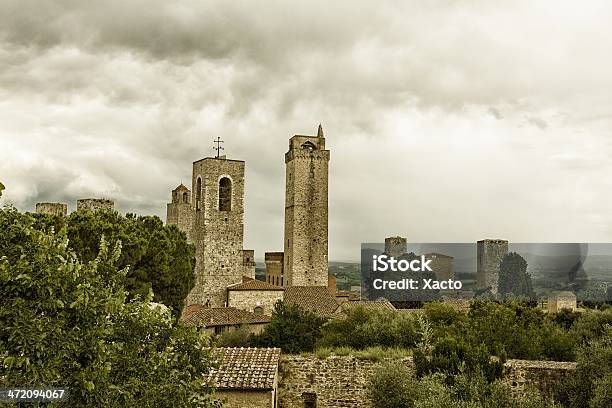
<point>218,148</point>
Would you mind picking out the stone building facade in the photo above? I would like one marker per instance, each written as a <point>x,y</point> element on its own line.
<point>562,300</point>
<point>180,212</point>
<point>274,269</point>
<point>248,263</point>
<point>95,204</point>
<point>218,228</point>
<point>306,211</point>
<point>254,296</point>
<point>442,265</point>
<point>396,246</point>
<point>489,254</point>
<point>60,209</point>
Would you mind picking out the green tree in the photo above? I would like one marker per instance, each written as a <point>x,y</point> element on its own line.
<point>589,384</point>
<point>391,386</point>
<point>292,328</point>
<point>513,277</point>
<point>1,188</point>
<point>68,323</point>
<point>158,257</point>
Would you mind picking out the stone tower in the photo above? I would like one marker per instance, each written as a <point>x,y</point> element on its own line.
<point>218,229</point>
<point>489,254</point>
<point>305,255</point>
<point>52,208</point>
<point>180,211</point>
<point>396,246</point>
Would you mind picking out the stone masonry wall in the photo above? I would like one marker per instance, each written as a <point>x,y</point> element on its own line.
<point>242,399</point>
<point>52,208</point>
<point>218,235</point>
<point>306,212</point>
<point>490,253</point>
<point>341,381</point>
<point>250,299</point>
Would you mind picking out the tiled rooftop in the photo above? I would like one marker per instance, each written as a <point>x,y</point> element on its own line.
<point>254,284</point>
<point>245,368</point>
<point>316,299</point>
<point>223,316</point>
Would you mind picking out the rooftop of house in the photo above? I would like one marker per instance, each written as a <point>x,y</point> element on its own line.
<point>316,299</point>
<point>245,368</point>
<point>254,284</point>
<point>366,304</point>
<point>222,316</point>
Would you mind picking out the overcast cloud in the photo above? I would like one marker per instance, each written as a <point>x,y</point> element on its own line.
<point>446,120</point>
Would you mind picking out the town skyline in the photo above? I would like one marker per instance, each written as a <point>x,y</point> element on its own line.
<point>476,129</point>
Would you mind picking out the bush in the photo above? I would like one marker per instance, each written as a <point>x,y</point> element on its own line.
<point>292,328</point>
<point>391,386</point>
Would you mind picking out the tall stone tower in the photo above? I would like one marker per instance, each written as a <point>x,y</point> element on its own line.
<point>396,246</point>
<point>489,254</point>
<point>218,229</point>
<point>305,256</point>
<point>180,211</point>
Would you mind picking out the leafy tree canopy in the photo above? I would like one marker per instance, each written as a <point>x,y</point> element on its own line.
<point>157,256</point>
<point>292,328</point>
<point>68,323</point>
<point>513,277</point>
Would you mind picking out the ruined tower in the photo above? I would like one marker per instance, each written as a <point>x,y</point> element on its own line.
<point>489,254</point>
<point>180,210</point>
<point>218,229</point>
<point>305,255</point>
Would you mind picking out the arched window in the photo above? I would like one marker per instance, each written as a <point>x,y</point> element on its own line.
<point>309,146</point>
<point>225,194</point>
<point>258,310</point>
<point>185,197</point>
<point>199,194</point>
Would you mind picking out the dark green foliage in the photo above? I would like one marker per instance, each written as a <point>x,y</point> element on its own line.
<point>520,330</point>
<point>589,385</point>
<point>513,277</point>
<point>365,328</point>
<point>235,338</point>
<point>1,188</point>
<point>68,323</point>
<point>292,329</point>
<point>392,386</point>
<point>158,256</point>
<point>452,356</point>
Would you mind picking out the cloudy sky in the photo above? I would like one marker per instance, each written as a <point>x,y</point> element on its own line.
<point>446,120</point>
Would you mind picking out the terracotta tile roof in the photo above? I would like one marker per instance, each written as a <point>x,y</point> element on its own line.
<point>350,294</point>
<point>246,278</point>
<point>316,299</point>
<point>223,316</point>
<point>254,284</point>
<point>366,304</point>
<point>188,310</point>
<point>245,368</point>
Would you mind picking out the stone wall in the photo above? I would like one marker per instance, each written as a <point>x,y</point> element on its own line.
<point>242,399</point>
<point>95,204</point>
<point>306,211</point>
<point>248,262</point>
<point>341,381</point>
<point>274,269</point>
<point>52,208</point>
<point>396,246</point>
<point>489,254</point>
<point>218,235</point>
<point>250,299</point>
